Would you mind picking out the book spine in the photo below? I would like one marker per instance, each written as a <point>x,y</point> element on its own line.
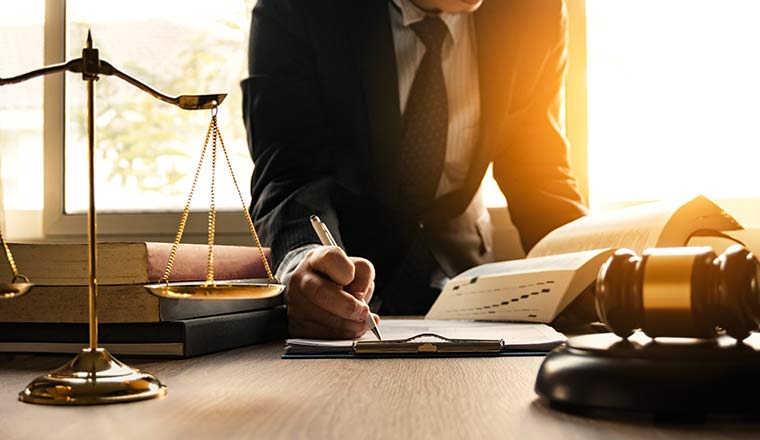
<point>118,304</point>
<point>175,309</point>
<point>197,336</point>
<point>206,336</point>
<point>79,333</point>
<point>230,262</point>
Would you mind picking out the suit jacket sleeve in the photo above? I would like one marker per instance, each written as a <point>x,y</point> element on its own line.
<point>532,168</point>
<point>288,135</point>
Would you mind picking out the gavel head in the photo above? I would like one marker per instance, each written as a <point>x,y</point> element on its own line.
<point>680,292</point>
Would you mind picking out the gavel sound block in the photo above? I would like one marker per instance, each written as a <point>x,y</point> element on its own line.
<point>681,342</point>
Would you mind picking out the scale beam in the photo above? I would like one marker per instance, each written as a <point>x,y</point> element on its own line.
<point>185,102</point>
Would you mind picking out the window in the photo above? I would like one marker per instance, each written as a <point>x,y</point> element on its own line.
<point>661,103</point>
<point>672,101</point>
<point>21,120</point>
<point>147,151</point>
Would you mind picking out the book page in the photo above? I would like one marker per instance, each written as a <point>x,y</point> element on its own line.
<point>531,290</point>
<point>698,215</point>
<point>749,238</point>
<point>571,261</point>
<point>665,223</point>
<point>718,243</point>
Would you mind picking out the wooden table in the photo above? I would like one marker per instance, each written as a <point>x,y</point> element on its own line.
<point>251,392</point>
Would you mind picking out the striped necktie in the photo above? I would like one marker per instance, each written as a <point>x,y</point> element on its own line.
<point>426,121</point>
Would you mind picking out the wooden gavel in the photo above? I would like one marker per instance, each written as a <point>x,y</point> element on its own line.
<point>680,292</point>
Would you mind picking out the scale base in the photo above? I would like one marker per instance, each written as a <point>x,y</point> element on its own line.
<point>93,377</point>
<point>603,375</point>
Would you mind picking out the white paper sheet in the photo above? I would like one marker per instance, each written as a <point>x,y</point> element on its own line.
<point>527,336</point>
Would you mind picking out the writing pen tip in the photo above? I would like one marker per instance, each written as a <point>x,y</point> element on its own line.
<point>376,332</point>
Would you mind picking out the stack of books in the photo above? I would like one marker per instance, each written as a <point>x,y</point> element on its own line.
<point>53,316</point>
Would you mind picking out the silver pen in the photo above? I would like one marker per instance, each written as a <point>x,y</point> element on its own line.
<point>326,238</point>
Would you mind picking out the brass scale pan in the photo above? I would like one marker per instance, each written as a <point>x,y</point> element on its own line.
<point>219,290</point>
<point>211,289</point>
<point>20,284</point>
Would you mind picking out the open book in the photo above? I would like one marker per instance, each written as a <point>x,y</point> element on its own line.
<point>567,260</point>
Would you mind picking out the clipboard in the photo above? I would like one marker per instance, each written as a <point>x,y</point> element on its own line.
<point>443,345</point>
<point>414,338</point>
<point>414,348</point>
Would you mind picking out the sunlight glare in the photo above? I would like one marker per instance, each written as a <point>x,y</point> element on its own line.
<point>673,87</point>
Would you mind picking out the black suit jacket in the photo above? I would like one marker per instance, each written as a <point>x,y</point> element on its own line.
<point>321,106</point>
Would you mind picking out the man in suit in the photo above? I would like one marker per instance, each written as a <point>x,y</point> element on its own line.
<point>381,117</point>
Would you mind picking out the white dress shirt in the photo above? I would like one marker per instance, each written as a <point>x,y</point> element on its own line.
<point>460,72</point>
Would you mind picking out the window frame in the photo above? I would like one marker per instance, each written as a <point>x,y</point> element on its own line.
<point>230,225</point>
<point>576,96</point>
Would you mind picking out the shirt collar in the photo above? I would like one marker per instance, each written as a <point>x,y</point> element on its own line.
<point>411,13</point>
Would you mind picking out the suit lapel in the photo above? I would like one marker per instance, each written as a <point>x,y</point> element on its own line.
<point>372,45</point>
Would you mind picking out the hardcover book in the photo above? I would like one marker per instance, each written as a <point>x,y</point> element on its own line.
<point>182,338</point>
<point>130,263</point>
<point>60,275</point>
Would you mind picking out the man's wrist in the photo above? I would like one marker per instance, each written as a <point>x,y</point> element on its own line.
<point>290,262</point>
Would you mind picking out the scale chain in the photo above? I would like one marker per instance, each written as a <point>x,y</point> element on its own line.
<point>11,262</point>
<point>213,133</point>
<point>245,210</point>
<point>212,205</point>
<point>185,212</point>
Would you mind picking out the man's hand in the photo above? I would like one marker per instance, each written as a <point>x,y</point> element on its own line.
<point>328,295</point>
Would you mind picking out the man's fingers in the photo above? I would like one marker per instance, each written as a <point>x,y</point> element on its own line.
<point>370,291</point>
<point>319,305</point>
<point>364,277</point>
<point>328,296</point>
<point>332,262</point>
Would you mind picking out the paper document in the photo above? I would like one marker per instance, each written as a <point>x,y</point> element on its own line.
<point>538,337</point>
<point>529,290</point>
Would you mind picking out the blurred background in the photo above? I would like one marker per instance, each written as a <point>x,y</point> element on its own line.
<point>661,103</point>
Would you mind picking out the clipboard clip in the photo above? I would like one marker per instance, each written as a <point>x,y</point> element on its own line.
<point>440,345</point>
